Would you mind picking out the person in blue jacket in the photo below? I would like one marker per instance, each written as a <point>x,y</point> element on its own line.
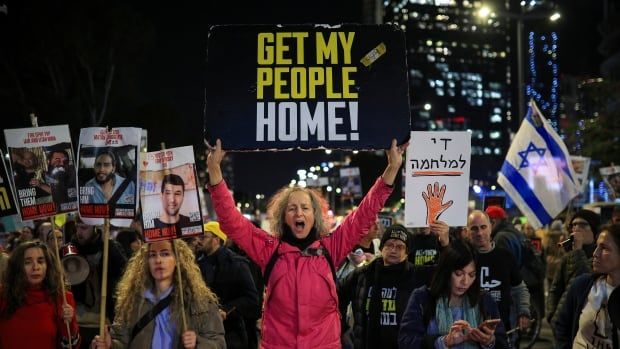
<point>452,313</point>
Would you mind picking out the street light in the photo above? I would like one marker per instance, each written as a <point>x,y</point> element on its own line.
<point>485,12</point>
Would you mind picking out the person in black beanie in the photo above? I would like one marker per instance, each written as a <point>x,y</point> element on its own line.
<point>385,286</point>
<point>584,229</point>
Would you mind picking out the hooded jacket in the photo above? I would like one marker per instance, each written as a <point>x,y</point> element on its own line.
<point>301,303</point>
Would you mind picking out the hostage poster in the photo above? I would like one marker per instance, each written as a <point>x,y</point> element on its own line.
<point>169,195</point>
<point>108,172</point>
<point>42,170</point>
<point>306,87</point>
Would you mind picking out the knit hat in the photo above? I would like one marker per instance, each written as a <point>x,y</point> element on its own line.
<point>496,212</point>
<point>397,232</point>
<point>214,228</point>
<point>593,219</point>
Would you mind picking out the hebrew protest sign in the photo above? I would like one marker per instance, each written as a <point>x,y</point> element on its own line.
<point>437,176</point>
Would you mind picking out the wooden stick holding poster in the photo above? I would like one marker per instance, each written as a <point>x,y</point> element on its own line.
<point>437,178</point>
<point>62,276</point>
<point>107,182</point>
<point>104,276</point>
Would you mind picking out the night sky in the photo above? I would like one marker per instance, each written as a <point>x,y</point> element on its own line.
<point>168,81</point>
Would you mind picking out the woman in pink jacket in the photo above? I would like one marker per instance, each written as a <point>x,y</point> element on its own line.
<point>301,303</point>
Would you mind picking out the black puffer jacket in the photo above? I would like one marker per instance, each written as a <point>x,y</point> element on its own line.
<point>228,275</point>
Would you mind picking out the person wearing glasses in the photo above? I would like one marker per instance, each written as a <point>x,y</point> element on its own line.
<point>584,318</point>
<point>583,229</point>
<point>379,292</point>
<point>498,273</point>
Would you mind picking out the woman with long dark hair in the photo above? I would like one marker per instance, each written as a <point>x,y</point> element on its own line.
<point>32,313</point>
<point>452,312</point>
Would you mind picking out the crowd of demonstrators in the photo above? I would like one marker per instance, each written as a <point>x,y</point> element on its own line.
<point>366,250</point>
<point>379,292</point>
<point>553,253</point>
<point>228,276</point>
<point>452,312</point>
<point>149,310</point>
<point>89,242</point>
<point>501,280</point>
<point>584,318</point>
<point>426,246</point>
<point>32,310</point>
<point>583,229</point>
<point>301,304</point>
<point>130,240</point>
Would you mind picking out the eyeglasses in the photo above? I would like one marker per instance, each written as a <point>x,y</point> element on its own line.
<point>578,224</point>
<point>397,247</point>
<point>477,228</point>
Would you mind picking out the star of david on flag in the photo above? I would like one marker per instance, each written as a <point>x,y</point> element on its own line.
<point>537,173</point>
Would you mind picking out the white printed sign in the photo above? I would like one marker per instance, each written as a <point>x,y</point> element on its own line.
<point>437,178</point>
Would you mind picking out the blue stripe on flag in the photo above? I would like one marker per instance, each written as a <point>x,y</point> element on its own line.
<point>530,198</point>
<point>556,152</point>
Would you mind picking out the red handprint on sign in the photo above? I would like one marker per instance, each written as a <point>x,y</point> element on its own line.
<point>433,200</point>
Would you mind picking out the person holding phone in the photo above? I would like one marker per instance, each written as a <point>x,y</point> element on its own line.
<point>452,312</point>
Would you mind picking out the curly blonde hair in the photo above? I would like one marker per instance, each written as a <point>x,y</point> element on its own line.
<point>137,279</point>
<point>277,208</point>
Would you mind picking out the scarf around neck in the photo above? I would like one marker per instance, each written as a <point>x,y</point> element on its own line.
<point>443,316</point>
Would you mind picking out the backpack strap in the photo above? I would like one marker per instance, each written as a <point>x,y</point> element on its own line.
<point>150,315</point>
<point>322,251</point>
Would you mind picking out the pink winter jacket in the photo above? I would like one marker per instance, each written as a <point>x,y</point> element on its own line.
<point>301,304</point>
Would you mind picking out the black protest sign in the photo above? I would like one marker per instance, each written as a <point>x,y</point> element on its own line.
<point>307,87</point>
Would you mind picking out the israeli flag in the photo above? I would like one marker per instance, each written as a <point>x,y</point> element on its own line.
<point>537,173</point>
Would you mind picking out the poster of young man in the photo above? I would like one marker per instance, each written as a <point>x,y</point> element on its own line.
<point>437,176</point>
<point>108,172</point>
<point>350,183</point>
<point>43,170</point>
<point>306,86</point>
<point>169,195</point>
<point>7,202</point>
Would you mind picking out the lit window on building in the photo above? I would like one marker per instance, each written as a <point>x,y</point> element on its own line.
<point>497,151</point>
<point>486,151</point>
<point>495,119</point>
<point>495,135</point>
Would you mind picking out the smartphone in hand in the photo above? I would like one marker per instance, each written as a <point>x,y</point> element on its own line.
<point>490,323</point>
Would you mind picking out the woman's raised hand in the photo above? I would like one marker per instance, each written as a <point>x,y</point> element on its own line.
<point>395,160</point>
<point>214,159</point>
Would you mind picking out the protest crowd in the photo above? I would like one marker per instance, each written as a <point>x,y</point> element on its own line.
<point>116,248</point>
<point>309,282</point>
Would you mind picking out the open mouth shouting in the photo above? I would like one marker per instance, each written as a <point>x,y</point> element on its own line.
<point>299,229</point>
